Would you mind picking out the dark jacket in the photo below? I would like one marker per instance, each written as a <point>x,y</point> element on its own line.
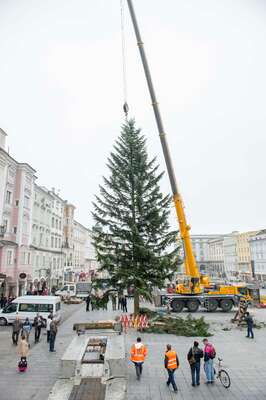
<point>53,328</point>
<point>196,352</point>
<point>249,321</point>
<point>38,322</point>
<point>16,325</point>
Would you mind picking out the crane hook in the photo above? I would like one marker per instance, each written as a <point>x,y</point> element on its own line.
<point>125,109</point>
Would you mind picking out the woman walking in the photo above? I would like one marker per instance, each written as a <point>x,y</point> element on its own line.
<point>23,352</point>
<point>26,328</point>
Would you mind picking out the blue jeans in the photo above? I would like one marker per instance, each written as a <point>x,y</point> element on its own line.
<point>51,341</point>
<point>171,378</point>
<point>195,373</point>
<point>209,370</point>
<point>138,366</point>
<point>250,332</point>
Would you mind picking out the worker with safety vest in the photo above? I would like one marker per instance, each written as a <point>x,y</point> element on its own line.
<point>138,354</point>
<point>171,363</point>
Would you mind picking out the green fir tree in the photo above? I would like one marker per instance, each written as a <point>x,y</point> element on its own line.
<point>131,234</point>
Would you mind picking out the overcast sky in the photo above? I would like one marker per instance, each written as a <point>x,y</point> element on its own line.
<point>61,98</point>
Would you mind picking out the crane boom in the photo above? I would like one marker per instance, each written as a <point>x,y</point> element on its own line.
<point>190,262</point>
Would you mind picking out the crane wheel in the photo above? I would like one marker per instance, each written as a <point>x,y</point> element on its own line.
<point>226,305</point>
<point>177,305</point>
<point>192,305</point>
<point>211,305</point>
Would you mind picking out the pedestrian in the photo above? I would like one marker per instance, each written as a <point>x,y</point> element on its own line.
<point>124,304</point>
<point>26,328</point>
<point>48,323</point>
<point>38,324</point>
<point>23,352</point>
<point>138,354</point>
<point>250,323</point>
<point>88,301</point>
<point>2,301</point>
<point>16,327</point>
<point>53,333</point>
<point>120,302</point>
<point>194,356</point>
<point>114,301</point>
<point>209,355</point>
<point>171,363</point>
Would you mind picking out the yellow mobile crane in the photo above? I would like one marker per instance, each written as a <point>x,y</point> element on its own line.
<point>193,291</point>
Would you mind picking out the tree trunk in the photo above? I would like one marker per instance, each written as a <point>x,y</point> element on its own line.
<point>136,303</point>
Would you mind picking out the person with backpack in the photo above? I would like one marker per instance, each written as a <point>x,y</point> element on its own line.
<point>194,356</point>
<point>209,355</point>
<point>23,352</point>
<point>26,328</point>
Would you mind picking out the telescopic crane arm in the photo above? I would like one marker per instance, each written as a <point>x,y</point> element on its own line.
<point>190,262</point>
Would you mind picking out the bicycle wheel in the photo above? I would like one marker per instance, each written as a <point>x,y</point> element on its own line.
<point>224,378</point>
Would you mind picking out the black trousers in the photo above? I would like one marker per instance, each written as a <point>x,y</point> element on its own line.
<point>88,306</point>
<point>15,337</point>
<point>37,333</point>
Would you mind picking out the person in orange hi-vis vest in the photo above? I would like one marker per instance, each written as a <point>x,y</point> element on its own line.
<point>171,363</point>
<point>138,354</point>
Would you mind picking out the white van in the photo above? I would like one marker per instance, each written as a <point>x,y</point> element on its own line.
<point>29,306</point>
<point>78,289</point>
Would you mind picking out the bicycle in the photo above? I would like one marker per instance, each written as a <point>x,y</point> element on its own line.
<point>223,375</point>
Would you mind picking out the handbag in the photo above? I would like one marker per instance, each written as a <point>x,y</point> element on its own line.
<point>192,359</point>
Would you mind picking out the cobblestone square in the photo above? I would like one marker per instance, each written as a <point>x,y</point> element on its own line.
<point>243,358</point>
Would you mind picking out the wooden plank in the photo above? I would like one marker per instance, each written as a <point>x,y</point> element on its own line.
<point>89,389</point>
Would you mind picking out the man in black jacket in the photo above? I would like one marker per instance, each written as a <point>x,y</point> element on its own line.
<point>38,324</point>
<point>250,323</point>
<point>194,356</point>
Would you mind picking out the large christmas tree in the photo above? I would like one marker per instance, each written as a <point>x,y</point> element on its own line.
<point>131,234</point>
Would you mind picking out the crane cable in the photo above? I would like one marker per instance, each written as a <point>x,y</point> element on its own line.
<point>124,66</point>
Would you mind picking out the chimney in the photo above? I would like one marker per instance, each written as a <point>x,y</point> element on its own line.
<point>3,136</point>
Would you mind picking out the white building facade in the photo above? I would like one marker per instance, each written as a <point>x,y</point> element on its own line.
<point>258,255</point>
<point>200,244</point>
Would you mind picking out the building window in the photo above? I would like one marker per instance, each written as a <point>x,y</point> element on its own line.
<point>53,222</point>
<point>56,243</point>
<point>28,259</point>
<point>25,228</point>
<point>17,203</point>
<point>9,257</point>
<point>15,229</point>
<point>56,224</point>
<point>43,261</point>
<point>37,261</point>
<point>26,202</point>
<point>60,225</point>
<point>52,241</point>
<point>5,223</point>
<point>8,197</point>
